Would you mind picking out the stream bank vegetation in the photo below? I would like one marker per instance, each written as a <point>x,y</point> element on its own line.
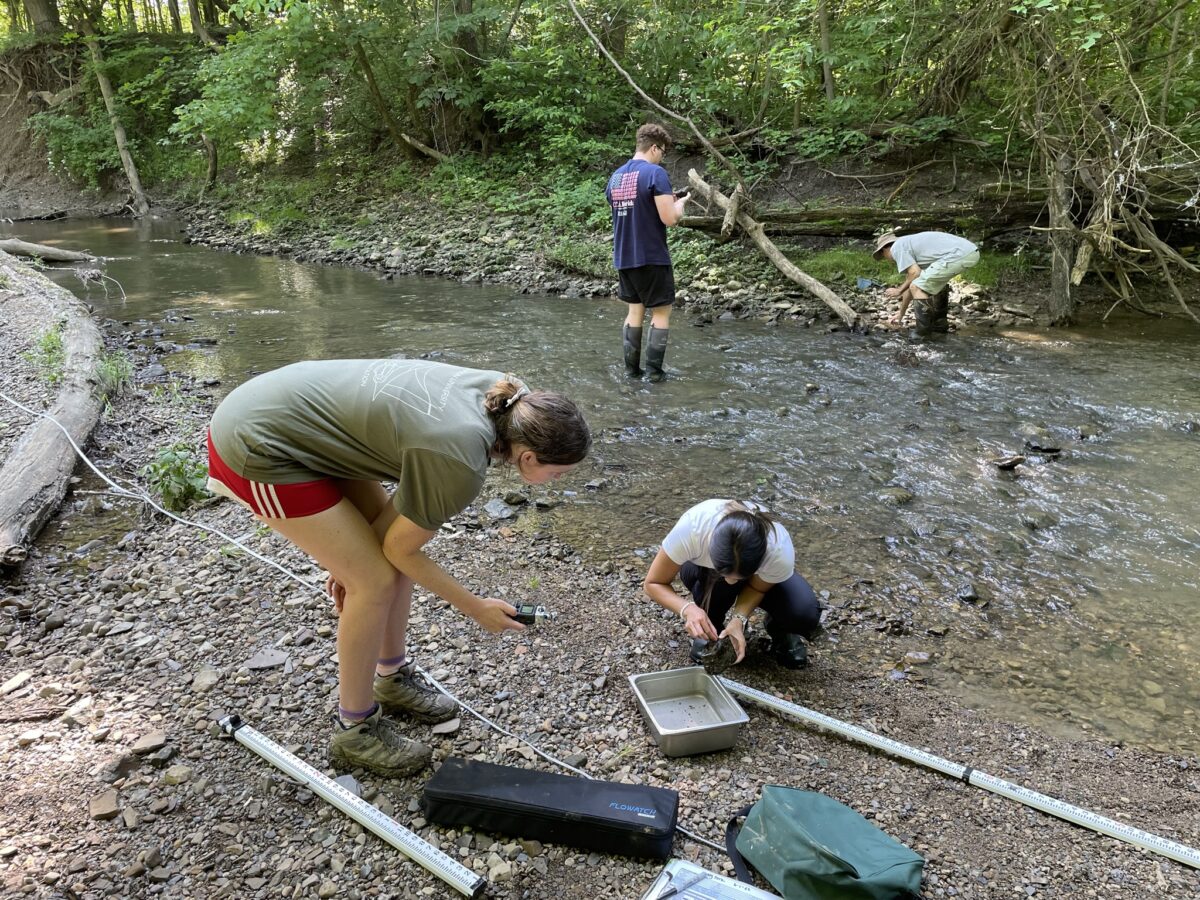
<point>1066,128</point>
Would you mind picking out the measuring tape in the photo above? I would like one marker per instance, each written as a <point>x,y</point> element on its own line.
<point>411,845</point>
<point>1179,852</point>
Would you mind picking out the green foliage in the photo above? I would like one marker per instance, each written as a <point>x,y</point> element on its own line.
<point>80,145</point>
<point>48,354</point>
<point>115,372</point>
<point>178,476</point>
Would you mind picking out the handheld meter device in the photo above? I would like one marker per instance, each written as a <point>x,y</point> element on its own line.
<point>531,614</point>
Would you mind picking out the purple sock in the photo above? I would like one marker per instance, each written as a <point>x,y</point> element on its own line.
<point>350,715</point>
<point>394,661</point>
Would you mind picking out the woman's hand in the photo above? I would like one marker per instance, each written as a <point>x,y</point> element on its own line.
<point>698,624</point>
<point>337,591</point>
<point>495,616</point>
<point>735,634</point>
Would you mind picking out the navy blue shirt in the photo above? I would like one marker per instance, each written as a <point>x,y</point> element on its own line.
<point>639,235</point>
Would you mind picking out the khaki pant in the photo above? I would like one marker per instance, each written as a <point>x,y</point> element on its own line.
<point>939,272</point>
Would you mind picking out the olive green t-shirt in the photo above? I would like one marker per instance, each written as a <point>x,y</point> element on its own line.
<point>421,424</point>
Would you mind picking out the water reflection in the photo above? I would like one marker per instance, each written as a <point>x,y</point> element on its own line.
<point>1066,590</point>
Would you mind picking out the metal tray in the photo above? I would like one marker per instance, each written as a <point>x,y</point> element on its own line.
<point>688,711</point>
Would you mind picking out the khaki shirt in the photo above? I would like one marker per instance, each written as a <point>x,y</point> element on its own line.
<point>420,424</point>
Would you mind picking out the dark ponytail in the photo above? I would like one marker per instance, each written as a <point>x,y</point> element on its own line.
<point>739,542</point>
<point>547,423</point>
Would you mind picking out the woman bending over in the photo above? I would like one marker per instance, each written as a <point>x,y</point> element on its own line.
<point>305,447</point>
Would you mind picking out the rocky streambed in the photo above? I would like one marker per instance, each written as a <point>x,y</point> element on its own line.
<point>127,636</point>
<point>730,281</point>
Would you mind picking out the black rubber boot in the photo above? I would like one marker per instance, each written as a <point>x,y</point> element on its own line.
<point>789,650</point>
<point>631,336</point>
<point>923,314</point>
<point>941,311</point>
<point>656,349</point>
<point>932,313</point>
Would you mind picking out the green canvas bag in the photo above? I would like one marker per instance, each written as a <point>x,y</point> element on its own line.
<point>810,847</point>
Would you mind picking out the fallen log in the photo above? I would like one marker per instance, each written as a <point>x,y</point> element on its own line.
<point>773,253</point>
<point>980,219</point>
<point>41,251</point>
<point>36,473</point>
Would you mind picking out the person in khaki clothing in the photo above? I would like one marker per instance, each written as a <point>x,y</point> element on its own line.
<point>305,447</point>
<point>928,259</point>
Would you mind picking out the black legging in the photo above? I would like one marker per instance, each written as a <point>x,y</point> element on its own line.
<point>792,604</point>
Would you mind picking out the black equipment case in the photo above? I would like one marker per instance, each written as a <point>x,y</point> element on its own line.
<point>627,819</point>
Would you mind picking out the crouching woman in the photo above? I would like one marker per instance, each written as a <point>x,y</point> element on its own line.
<point>733,558</point>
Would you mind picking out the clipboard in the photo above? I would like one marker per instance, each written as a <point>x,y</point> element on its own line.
<point>682,880</point>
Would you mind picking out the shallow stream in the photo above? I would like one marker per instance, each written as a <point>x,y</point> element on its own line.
<point>1063,593</point>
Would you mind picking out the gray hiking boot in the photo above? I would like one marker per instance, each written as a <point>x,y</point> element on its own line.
<point>375,744</point>
<point>407,693</point>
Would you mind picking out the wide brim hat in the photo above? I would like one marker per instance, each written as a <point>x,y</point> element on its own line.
<point>882,243</point>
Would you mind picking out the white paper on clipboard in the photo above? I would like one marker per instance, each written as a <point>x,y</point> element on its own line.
<point>711,887</point>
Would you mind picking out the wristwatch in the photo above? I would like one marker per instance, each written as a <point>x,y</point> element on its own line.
<point>745,620</point>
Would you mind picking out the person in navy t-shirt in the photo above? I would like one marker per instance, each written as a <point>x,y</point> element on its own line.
<point>643,205</point>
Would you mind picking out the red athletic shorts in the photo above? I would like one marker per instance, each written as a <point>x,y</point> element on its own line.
<point>270,501</point>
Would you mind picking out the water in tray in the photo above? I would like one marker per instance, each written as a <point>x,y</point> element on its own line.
<point>688,711</point>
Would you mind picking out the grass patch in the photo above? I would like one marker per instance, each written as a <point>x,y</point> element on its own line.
<point>993,267</point>
<point>115,372</point>
<point>48,354</point>
<point>342,243</point>
<point>844,265</point>
<point>583,257</point>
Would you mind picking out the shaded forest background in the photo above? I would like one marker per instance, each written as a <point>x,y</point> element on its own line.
<point>1087,108</point>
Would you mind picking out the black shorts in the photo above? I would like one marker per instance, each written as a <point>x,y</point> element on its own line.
<point>648,285</point>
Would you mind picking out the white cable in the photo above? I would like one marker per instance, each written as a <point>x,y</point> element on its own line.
<point>135,494</point>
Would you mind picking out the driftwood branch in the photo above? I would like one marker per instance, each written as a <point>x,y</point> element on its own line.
<point>41,251</point>
<point>731,213</point>
<point>773,253</point>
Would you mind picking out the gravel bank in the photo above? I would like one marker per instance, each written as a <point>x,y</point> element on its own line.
<point>126,637</point>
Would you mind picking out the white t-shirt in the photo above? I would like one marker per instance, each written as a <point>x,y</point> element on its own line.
<point>689,541</point>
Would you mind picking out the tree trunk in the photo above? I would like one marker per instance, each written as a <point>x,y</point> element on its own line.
<point>43,15</point>
<point>132,17</point>
<point>140,206</point>
<point>41,251</point>
<point>198,22</point>
<point>16,15</point>
<point>773,253</point>
<point>401,140</point>
<point>176,19</point>
<point>1062,243</point>
<point>37,470</point>
<point>826,64</point>
<point>1164,103</point>
<point>210,151</point>
<point>867,221</point>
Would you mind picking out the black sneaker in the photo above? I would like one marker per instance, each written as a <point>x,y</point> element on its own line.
<point>789,650</point>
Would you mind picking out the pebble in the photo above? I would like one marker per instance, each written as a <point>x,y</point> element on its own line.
<point>206,679</point>
<point>148,743</point>
<point>105,806</point>
<point>177,775</point>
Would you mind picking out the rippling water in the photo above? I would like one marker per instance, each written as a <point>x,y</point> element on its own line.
<point>1088,620</point>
